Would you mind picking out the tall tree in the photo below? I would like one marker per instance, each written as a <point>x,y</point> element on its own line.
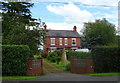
<point>100,32</point>
<point>16,16</point>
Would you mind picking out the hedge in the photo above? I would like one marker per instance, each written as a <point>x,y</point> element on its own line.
<point>14,60</point>
<point>106,58</point>
<point>77,54</point>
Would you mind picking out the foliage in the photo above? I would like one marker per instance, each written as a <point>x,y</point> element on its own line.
<point>77,54</point>
<point>67,67</point>
<point>100,32</point>
<point>58,52</point>
<point>54,57</point>
<point>14,60</point>
<point>44,55</point>
<point>16,20</point>
<point>106,58</point>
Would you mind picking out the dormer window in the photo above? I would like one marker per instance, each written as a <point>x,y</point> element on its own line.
<point>52,41</point>
<point>73,41</point>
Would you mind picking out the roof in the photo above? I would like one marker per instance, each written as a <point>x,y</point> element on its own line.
<point>62,33</point>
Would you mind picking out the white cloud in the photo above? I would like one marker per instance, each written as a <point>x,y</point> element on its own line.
<point>71,13</point>
<point>100,2</point>
<point>63,26</point>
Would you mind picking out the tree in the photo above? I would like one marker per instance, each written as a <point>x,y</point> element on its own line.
<point>100,32</point>
<point>16,16</point>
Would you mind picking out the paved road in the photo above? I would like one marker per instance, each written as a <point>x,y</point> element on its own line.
<point>70,78</point>
<point>75,77</point>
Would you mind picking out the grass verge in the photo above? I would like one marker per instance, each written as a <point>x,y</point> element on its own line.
<point>103,74</point>
<point>19,77</point>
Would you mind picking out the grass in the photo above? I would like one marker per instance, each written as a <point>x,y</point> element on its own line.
<point>103,74</point>
<point>19,77</point>
<point>56,65</point>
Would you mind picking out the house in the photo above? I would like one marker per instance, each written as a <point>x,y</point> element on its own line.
<point>60,39</point>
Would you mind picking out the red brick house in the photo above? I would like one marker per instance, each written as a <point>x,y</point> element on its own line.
<point>59,39</point>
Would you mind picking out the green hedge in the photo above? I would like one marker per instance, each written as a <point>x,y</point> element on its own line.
<point>106,58</point>
<point>14,59</point>
<point>77,54</point>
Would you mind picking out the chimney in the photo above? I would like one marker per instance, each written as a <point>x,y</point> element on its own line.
<point>75,28</point>
<point>45,27</point>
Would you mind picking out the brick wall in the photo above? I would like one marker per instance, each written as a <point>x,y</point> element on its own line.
<point>48,41</point>
<point>35,67</point>
<point>82,65</point>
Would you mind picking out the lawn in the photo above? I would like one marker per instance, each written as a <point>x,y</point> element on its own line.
<point>103,74</point>
<point>18,77</point>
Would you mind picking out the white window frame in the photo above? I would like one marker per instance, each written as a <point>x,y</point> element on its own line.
<point>72,41</point>
<point>52,41</point>
<point>60,41</point>
<point>66,41</point>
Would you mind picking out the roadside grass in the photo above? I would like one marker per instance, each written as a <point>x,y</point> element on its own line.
<point>103,74</point>
<point>57,65</point>
<point>18,77</point>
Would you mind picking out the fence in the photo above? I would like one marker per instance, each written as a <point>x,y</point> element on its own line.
<point>82,65</point>
<point>35,67</point>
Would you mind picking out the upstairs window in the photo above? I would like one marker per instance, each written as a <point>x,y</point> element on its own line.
<point>52,41</point>
<point>66,41</point>
<point>60,41</point>
<point>73,41</point>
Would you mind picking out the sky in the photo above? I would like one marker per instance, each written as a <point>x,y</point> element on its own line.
<point>64,14</point>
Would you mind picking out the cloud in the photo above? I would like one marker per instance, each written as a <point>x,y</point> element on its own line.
<point>100,2</point>
<point>63,26</point>
<point>71,13</point>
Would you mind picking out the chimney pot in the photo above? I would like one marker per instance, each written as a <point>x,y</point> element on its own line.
<point>75,28</point>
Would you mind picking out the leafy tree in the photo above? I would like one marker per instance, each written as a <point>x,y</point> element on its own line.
<point>16,21</point>
<point>100,32</point>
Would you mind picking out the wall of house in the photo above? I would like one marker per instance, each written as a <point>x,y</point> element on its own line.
<point>48,41</point>
<point>57,43</point>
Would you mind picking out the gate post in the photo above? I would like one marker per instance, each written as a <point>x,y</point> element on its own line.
<point>35,66</point>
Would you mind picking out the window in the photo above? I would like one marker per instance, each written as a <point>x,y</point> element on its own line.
<point>66,41</point>
<point>52,49</point>
<point>60,41</point>
<point>52,41</point>
<point>73,41</point>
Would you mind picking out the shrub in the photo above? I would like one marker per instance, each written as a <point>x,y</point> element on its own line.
<point>77,54</point>
<point>58,52</point>
<point>44,55</point>
<point>54,57</point>
<point>106,58</point>
<point>14,60</point>
<point>67,67</point>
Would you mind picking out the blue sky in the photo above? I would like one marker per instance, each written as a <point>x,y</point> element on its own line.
<point>64,14</point>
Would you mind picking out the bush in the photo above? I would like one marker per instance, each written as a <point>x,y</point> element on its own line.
<point>58,52</point>
<point>67,67</point>
<point>106,58</point>
<point>76,54</point>
<point>54,57</point>
<point>44,55</point>
<point>14,60</point>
